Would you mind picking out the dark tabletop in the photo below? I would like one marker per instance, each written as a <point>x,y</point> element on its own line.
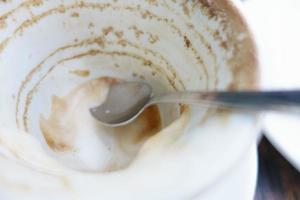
<point>277,179</point>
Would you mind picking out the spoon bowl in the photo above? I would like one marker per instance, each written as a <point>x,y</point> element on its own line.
<point>124,102</point>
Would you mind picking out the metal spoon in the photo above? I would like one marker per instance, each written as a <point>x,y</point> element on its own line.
<point>125,101</point>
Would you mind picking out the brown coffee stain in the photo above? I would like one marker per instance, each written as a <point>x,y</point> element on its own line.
<point>185,7</point>
<point>208,8</point>
<point>138,33</point>
<point>107,30</point>
<point>100,41</point>
<point>60,128</point>
<point>153,38</point>
<point>61,9</point>
<point>147,63</point>
<point>49,126</point>
<point>224,45</point>
<point>138,132</point>
<point>244,64</point>
<point>187,42</point>
<point>75,14</point>
<point>146,14</point>
<point>3,44</point>
<point>119,34</point>
<point>153,2</point>
<point>199,36</point>
<point>3,24</point>
<point>198,5</point>
<point>36,2</point>
<point>123,43</point>
<point>151,121</point>
<point>81,73</point>
<point>26,4</point>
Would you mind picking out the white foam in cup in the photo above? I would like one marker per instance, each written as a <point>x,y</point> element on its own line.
<point>58,58</point>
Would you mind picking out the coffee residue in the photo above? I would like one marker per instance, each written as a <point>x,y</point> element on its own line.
<point>72,133</point>
<point>82,73</point>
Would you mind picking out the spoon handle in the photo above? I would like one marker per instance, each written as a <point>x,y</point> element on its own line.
<point>253,100</point>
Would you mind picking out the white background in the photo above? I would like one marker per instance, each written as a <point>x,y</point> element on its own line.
<point>277,25</point>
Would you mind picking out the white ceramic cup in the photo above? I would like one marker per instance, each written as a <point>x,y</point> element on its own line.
<point>49,47</point>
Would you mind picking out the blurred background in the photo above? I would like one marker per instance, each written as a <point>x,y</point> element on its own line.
<point>276,23</point>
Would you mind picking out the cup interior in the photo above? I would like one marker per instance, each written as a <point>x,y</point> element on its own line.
<point>47,48</point>
<point>52,47</point>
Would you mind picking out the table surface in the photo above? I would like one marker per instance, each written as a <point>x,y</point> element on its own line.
<point>277,179</point>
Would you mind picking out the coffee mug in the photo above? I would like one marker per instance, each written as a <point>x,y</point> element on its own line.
<point>49,48</point>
